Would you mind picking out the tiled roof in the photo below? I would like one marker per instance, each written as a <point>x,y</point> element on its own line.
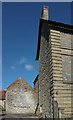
<point>2,94</point>
<point>18,83</point>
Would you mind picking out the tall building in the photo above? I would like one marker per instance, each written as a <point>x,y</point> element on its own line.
<point>52,95</point>
<point>55,80</point>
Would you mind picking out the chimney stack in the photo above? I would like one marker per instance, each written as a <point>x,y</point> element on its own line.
<point>44,13</point>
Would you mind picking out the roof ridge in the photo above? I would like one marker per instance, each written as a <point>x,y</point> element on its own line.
<point>16,82</point>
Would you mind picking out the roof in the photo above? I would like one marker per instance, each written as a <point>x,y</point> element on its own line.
<point>2,94</point>
<point>55,26</point>
<point>17,83</point>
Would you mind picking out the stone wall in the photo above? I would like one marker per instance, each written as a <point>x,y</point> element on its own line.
<point>55,55</point>
<point>2,106</point>
<point>55,73</point>
<point>61,55</point>
<point>44,87</point>
<point>36,90</point>
<point>2,103</point>
<point>20,99</point>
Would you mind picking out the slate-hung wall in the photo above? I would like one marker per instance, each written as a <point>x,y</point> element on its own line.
<point>55,68</point>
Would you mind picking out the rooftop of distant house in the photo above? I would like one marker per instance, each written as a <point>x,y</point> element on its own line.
<point>2,94</point>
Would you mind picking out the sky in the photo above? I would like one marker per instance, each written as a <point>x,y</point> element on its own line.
<point>20,22</point>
